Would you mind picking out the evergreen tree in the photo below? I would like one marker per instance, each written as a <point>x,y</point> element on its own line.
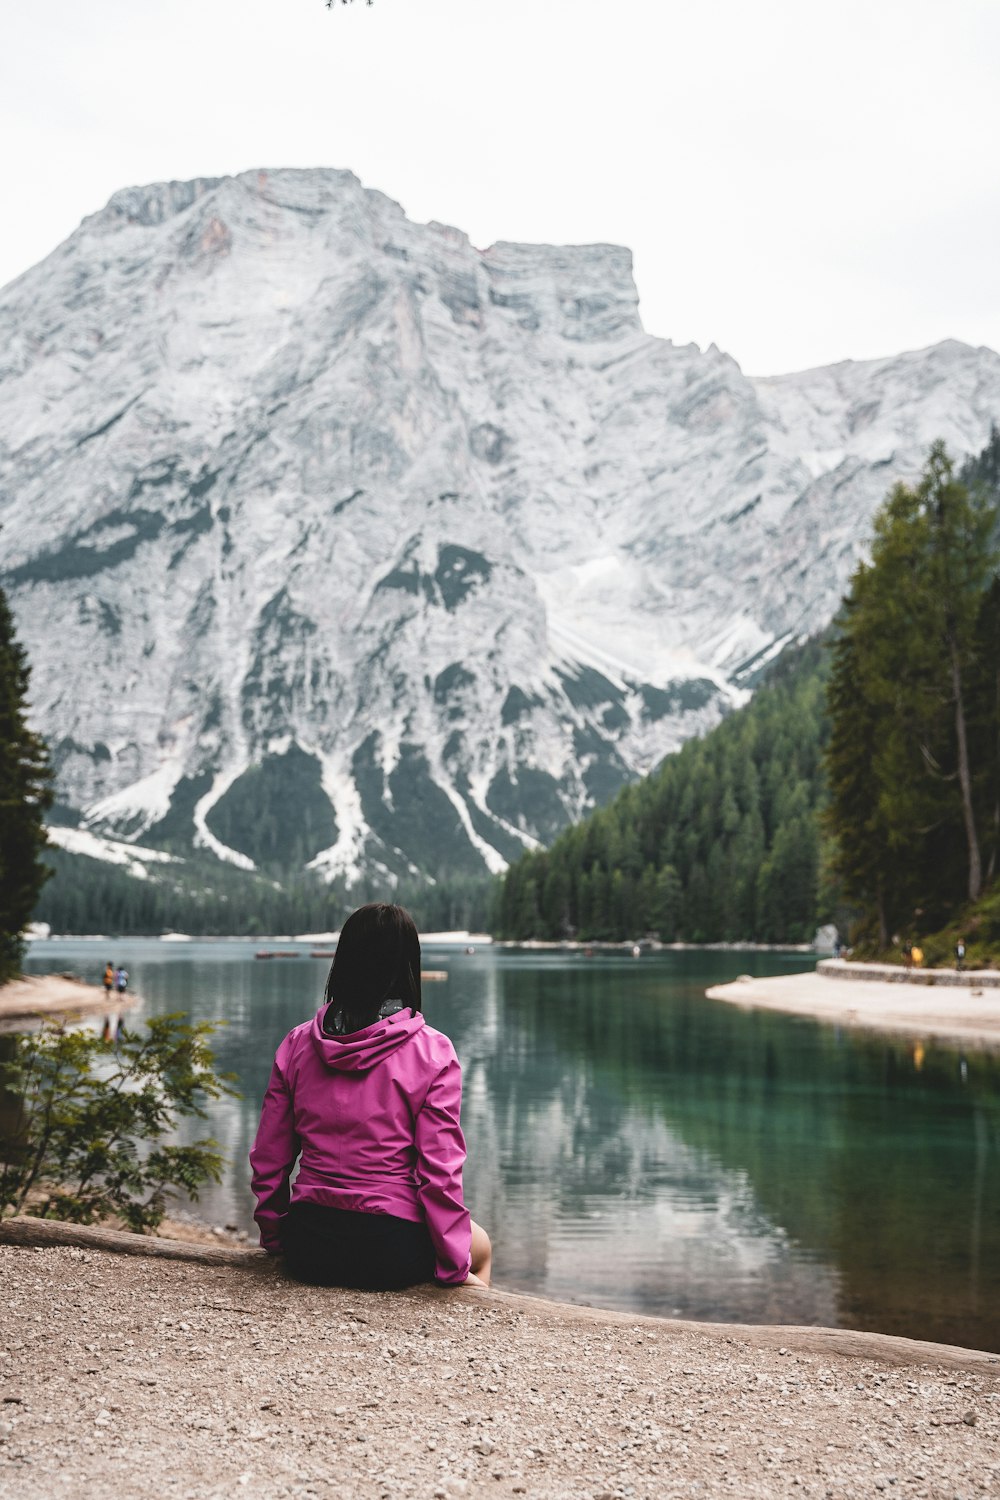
<point>861,855</point>
<point>914,704</point>
<point>984,727</point>
<point>25,795</point>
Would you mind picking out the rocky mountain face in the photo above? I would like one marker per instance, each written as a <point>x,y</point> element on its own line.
<point>334,540</point>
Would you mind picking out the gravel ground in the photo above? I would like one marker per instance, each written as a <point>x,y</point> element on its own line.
<point>120,1373</point>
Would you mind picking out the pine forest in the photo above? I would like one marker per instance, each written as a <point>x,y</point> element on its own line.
<point>861,784</point>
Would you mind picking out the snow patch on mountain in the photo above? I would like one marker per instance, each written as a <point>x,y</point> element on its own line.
<point>132,857</point>
<point>140,804</point>
<point>204,838</point>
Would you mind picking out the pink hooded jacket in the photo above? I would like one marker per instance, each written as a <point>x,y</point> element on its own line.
<point>375,1116</point>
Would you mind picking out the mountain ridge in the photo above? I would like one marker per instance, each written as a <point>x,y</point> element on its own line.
<point>439,537</point>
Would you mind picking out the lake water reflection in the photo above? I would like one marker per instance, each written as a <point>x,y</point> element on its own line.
<point>634,1145</point>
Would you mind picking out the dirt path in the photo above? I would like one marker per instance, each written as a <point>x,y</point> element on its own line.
<point>121,1373</point>
<point>963,1016</point>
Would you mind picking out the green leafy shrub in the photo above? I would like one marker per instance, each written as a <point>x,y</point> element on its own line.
<point>88,1121</point>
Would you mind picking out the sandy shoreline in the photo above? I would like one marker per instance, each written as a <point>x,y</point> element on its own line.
<point>224,1379</point>
<point>957,1014</point>
<point>29,1000</point>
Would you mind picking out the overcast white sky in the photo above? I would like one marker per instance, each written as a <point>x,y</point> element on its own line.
<point>800,182</point>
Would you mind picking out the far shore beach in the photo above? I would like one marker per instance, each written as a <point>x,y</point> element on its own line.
<point>962,1014</point>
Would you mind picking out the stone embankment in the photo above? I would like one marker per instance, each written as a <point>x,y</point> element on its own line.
<point>972,979</point>
<point>216,1375</point>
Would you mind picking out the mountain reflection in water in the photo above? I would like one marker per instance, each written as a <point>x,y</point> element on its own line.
<point>635,1145</point>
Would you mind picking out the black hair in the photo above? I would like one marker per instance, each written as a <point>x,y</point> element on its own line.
<point>377,959</point>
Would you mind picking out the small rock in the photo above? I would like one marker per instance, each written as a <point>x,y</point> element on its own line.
<point>484,1446</point>
<point>970,1419</point>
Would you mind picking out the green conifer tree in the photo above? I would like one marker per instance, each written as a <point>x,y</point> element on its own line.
<point>861,856</point>
<point>906,702</point>
<point>25,795</point>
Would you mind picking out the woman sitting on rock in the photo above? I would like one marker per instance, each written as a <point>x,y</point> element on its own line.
<point>370,1095</point>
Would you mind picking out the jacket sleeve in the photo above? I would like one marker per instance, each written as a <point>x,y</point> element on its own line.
<point>272,1157</point>
<point>440,1156</point>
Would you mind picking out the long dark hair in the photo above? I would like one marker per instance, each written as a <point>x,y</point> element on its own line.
<point>377,959</point>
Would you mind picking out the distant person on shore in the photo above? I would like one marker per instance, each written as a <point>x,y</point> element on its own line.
<point>370,1096</point>
<point>960,954</point>
<point>109,985</point>
<point>121,981</point>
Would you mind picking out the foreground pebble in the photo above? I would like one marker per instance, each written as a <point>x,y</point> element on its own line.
<point>120,1375</point>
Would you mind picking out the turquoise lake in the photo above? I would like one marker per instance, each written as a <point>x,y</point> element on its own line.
<point>635,1145</point>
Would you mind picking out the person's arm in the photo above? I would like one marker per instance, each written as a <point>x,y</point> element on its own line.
<point>272,1157</point>
<point>440,1156</point>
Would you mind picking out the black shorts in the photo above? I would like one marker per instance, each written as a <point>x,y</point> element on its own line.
<point>337,1247</point>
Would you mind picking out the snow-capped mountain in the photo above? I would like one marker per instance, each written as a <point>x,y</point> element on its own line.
<point>334,539</point>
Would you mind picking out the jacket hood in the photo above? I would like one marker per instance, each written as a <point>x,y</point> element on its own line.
<point>361,1051</point>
